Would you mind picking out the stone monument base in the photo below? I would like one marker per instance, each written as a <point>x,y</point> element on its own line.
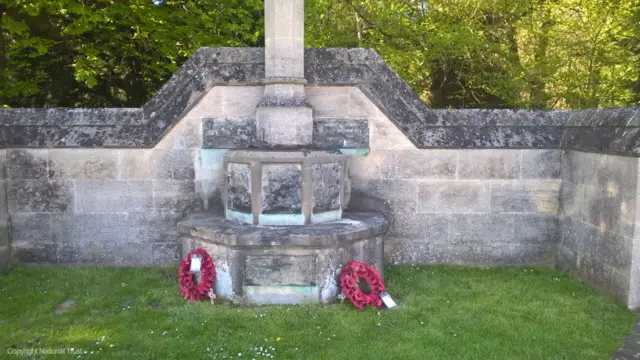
<point>284,264</point>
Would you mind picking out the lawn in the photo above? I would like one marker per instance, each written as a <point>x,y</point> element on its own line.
<point>443,313</point>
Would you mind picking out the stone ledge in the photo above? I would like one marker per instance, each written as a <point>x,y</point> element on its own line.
<point>216,229</point>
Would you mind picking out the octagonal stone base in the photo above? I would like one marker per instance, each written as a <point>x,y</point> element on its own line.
<point>293,187</point>
<point>284,265</point>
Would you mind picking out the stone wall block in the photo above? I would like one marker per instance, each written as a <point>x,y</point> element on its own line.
<point>240,102</point>
<point>183,163</point>
<point>360,107</point>
<point>83,163</point>
<point>3,164</point>
<point>571,198</point>
<point>578,167</point>
<point>488,164</point>
<point>158,226</point>
<point>386,135</point>
<point>39,253</point>
<point>541,164</point>
<point>614,174</point>
<point>603,209</point>
<point>536,196</point>
<point>405,164</point>
<point>400,195</point>
<point>427,227</point>
<point>210,105</point>
<point>145,164</point>
<point>23,164</point>
<point>186,134</point>
<point>328,101</point>
<point>40,196</point>
<point>536,229</point>
<point>400,250</point>
<point>176,195</point>
<point>453,196</point>
<point>113,196</point>
<point>487,228</point>
<point>32,228</point>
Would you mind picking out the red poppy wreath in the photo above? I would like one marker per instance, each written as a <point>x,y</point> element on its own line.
<point>350,277</point>
<point>188,287</point>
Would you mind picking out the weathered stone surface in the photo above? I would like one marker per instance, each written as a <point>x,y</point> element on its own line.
<point>612,131</point>
<point>387,164</point>
<point>158,164</point>
<point>71,117</point>
<point>27,164</point>
<point>488,164</point>
<point>38,253</point>
<point>40,196</point>
<point>481,228</point>
<point>330,102</point>
<point>577,167</point>
<point>537,196</point>
<point>352,227</point>
<point>292,264</point>
<point>32,228</point>
<point>541,164</point>
<point>429,227</point>
<point>281,189</point>
<point>284,124</point>
<point>400,195</point>
<point>280,270</point>
<point>345,134</point>
<point>453,196</point>
<point>113,196</point>
<point>327,184</point>
<point>616,174</point>
<point>239,187</point>
<point>176,195</point>
<point>228,134</point>
<point>536,229</point>
<point>83,164</point>
<point>571,198</point>
<point>399,251</point>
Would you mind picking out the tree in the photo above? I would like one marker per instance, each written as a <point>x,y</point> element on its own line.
<point>495,53</point>
<point>99,53</point>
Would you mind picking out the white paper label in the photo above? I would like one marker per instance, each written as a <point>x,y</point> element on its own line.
<point>196,263</point>
<point>387,300</point>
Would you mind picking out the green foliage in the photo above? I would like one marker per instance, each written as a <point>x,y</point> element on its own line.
<point>110,52</point>
<point>496,53</point>
<point>442,313</point>
<point>453,53</point>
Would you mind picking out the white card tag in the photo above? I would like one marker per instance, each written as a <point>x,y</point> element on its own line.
<point>387,300</point>
<point>196,263</point>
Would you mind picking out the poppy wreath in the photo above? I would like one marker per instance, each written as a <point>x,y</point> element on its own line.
<point>350,276</point>
<point>188,288</point>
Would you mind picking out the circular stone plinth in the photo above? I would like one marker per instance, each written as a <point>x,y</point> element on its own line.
<point>259,264</point>
<point>293,187</point>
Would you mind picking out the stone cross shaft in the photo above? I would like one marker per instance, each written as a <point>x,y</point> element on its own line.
<point>284,118</point>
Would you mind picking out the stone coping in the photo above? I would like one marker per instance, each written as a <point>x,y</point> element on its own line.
<point>615,131</point>
<point>216,229</point>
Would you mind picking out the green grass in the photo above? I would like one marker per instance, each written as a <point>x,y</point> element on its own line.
<point>443,313</point>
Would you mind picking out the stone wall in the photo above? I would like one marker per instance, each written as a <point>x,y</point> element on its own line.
<point>5,228</point>
<point>471,187</point>
<point>598,222</point>
<point>120,206</point>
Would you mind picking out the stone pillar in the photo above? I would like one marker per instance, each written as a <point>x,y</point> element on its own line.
<point>284,118</point>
